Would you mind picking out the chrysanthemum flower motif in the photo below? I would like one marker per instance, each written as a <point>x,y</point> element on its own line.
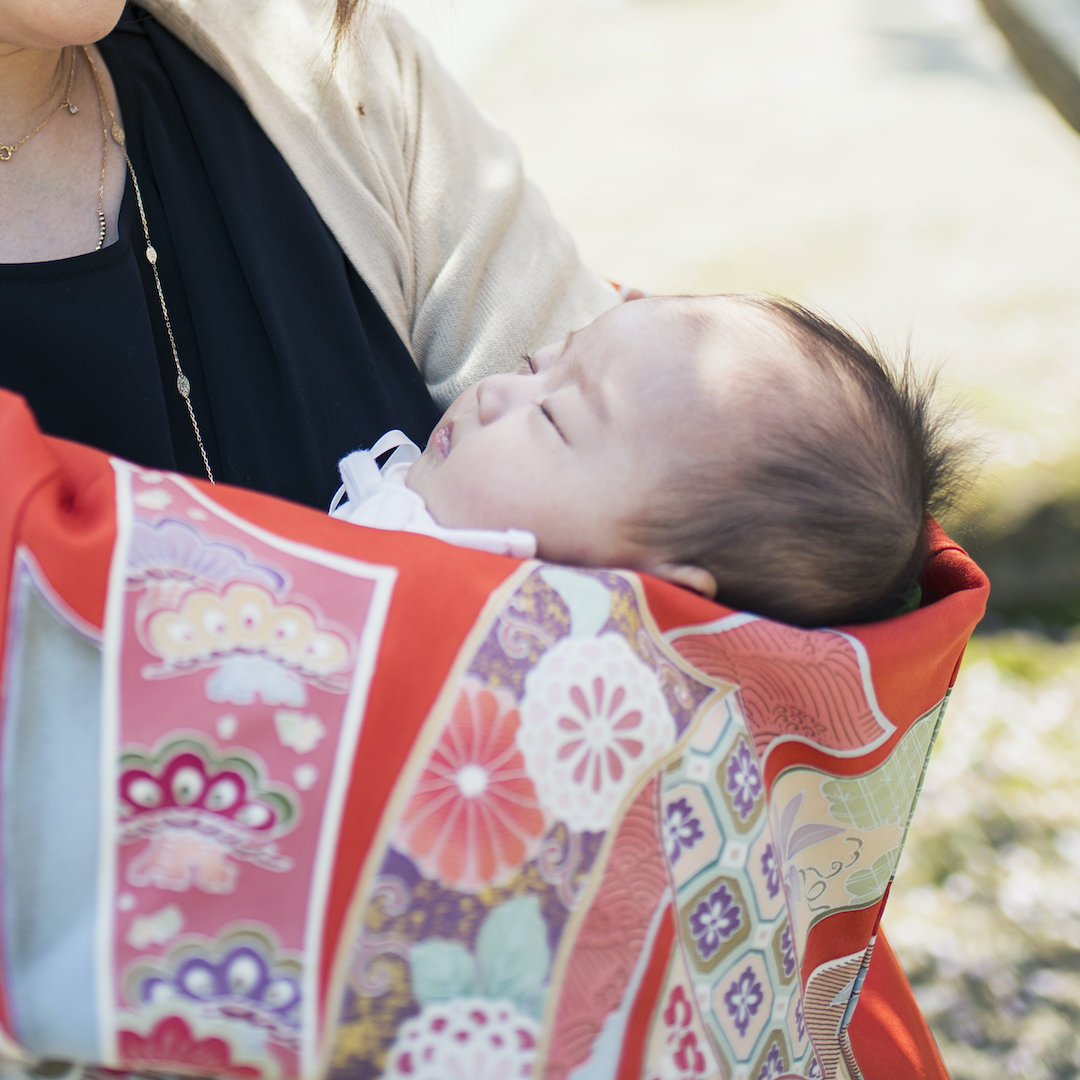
<point>241,985</point>
<point>464,1039</point>
<point>200,815</point>
<point>171,1046</point>
<point>593,721</point>
<point>210,629</point>
<point>473,817</point>
<point>173,550</point>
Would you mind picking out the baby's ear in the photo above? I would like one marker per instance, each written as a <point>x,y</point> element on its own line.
<point>695,578</point>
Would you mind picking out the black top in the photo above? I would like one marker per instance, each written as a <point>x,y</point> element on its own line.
<point>292,362</point>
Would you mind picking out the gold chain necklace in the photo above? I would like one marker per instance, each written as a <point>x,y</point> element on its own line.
<point>183,385</point>
<point>6,152</point>
<point>101,177</point>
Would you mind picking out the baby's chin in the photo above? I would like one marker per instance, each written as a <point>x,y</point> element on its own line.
<point>417,478</point>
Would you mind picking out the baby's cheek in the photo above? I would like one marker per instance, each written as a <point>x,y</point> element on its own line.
<point>449,495</point>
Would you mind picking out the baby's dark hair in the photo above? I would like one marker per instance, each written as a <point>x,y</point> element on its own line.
<point>819,514</point>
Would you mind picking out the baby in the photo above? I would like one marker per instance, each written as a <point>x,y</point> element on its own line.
<point>739,446</point>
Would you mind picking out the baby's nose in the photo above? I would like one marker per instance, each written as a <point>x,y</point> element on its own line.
<point>498,393</point>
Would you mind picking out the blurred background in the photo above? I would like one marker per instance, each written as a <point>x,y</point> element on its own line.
<point>891,162</point>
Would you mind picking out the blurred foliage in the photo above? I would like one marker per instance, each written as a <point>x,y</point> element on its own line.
<point>985,913</point>
<point>1033,561</point>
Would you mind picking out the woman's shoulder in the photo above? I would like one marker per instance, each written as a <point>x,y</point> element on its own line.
<point>411,177</point>
<point>362,99</point>
<point>291,38</point>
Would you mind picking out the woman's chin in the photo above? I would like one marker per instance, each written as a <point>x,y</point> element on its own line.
<point>55,26</point>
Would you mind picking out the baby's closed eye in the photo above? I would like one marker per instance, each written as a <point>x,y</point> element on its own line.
<point>542,406</point>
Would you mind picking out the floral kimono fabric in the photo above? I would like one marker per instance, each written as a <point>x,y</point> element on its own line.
<point>287,798</point>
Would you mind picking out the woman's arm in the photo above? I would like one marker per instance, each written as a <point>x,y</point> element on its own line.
<point>426,197</point>
<point>496,275</point>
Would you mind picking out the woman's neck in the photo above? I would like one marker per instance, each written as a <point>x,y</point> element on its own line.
<point>31,83</point>
<point>51,184</point>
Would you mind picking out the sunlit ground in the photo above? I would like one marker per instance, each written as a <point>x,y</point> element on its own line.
<point>884,160</point>
<point>985,911</point>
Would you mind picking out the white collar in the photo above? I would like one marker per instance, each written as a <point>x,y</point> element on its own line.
<point>378,498</point>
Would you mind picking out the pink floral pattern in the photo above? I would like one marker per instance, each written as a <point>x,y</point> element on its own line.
<point>171,1044</point>
<point>594,720</point>
<point>240,665</point>
<point>465,1039</point>
<point>199,815</point>
<point>683,1057</point>
<point>473,818</point>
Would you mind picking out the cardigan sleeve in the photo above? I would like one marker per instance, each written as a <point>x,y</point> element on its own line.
<point>495,274</point>
<point>424,194</point>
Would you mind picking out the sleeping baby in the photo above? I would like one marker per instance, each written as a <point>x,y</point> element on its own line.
<point>739,446</point>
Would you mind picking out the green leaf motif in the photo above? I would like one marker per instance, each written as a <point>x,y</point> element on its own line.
<point>513,954</point>
<point>441,970</point>
<point>864,883</point>
<point>884,796</point>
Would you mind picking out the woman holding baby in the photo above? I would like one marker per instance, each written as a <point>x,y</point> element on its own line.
<point>239,239</point>
<point>340,242</point>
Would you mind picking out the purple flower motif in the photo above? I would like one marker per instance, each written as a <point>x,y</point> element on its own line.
<point>241,985</point>
<point>171,549</point>
<point>773,1066</point>
<point>743,780</point>
<point>714,920</point>
<point>800,1021</point>
<point>683,829</point>
<point>743,999</point>
<point>770,867</point>
<point>787,950</point>
<point>815,1072</point>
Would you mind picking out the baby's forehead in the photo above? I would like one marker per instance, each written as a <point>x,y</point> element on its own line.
<point>726,341</point>
<point>750,373</point>
<point>751,325</point>
<point>693,362</point>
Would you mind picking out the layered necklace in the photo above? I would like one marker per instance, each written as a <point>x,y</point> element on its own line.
<point>8,152</point>
<point>183,384</point>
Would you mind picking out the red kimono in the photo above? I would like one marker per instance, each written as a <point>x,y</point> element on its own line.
<point>370,805</point>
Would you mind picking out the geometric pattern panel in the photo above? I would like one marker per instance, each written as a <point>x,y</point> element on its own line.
<point>733,920</point>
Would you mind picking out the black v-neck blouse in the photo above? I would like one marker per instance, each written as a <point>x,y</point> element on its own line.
<point>291,360</point>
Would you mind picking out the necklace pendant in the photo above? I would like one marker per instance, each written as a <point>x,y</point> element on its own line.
<point>73,109</point>
<point>183,386</point>
<point>118,133</point>
<point>6,152</point>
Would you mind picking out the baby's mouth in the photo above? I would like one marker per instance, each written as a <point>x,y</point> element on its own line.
<point>441,439</point>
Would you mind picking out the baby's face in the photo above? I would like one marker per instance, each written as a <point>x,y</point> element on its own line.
<point>575,445</point>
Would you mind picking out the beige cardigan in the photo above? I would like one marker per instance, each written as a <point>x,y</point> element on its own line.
<point>424,194</point>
